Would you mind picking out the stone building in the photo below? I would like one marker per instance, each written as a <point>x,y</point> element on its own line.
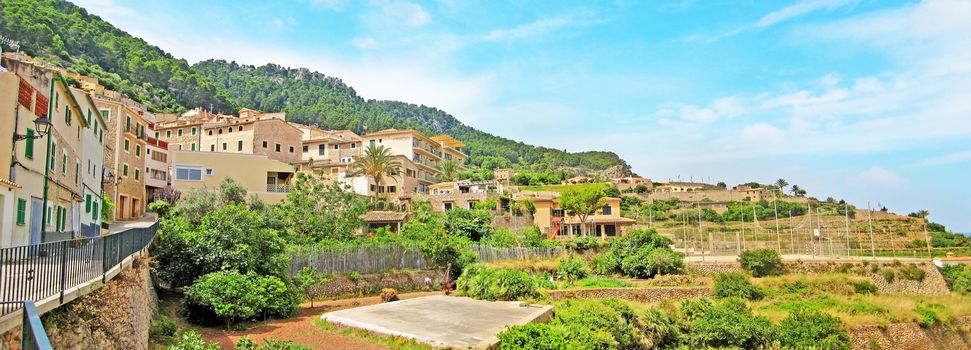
<point>125,155</point>
<point>254,133</point>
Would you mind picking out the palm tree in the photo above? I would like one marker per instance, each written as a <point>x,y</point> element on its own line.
<point>795,190</point>
<point>448,170</point>
<point>376,163</point>
<point>781,184</point>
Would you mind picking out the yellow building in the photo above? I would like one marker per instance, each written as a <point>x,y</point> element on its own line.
<point>266,178</point>
<point>605,223</point>
<point>253,133</point>
<point>330,152</point>
<point>425,152</point>
<point>125,154</point>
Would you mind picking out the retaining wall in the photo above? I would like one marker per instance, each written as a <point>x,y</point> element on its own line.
<point>646,295</point>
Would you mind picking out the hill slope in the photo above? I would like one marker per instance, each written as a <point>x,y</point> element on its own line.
<point>67,35</point>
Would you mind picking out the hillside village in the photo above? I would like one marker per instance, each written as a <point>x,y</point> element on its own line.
<point>211,228</point>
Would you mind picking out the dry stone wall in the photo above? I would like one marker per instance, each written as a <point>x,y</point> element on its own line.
<point>645,295</point>
<point>910,336</point>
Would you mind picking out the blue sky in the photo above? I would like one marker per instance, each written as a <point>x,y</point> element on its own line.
<point>860,100</point>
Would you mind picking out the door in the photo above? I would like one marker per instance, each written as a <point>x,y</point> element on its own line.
<point>122,201</point>
<point>36,215</point>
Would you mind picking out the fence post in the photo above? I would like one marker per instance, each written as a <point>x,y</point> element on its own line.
<point>104,259</point>
<point>63,268</point>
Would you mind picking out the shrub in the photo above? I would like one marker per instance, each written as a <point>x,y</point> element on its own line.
<point>761,262</point>
<point>389,294</point>
<point>306,280</point>
<point>649,261</point>
<point>604,264</point>
<point>730,324</point>
<point>160,207</point>
<point>572,268</point>
<point>660,330</point>
<point>962,283</point>
<point>582,243</point>
<point>500,239</point>
<point>232,297</point>
<point>247,343</point>
<point>602,282</point>
<point>912,272</point>
<point>480,282</point>
<point>163,330</point>
<point>736,284</point>
<point>605,322</point>
<point>864,287</point>
<point>193,341</point>
<point>536,336</point>
<point>932,314</point>
<point>804,329</point>
<point>889,275</point>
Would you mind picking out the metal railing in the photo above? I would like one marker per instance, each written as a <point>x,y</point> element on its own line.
<point>278,188</point>
<point>41,271</point>
<point>32,335</point>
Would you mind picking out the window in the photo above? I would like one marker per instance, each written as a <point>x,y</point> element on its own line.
<point>157,134</point>
<point>278,147</point>
<point>127,145</point>
<point>136,174</point>
<point>208,171</point>
<point>321,149</point>
<point>124,170</point>
<point>168,134</point>
<point>346,159</point>
<point>212,148</point>
<point>77,172</point>
<point>67,116</point>
<point>220,131</point>
<point>127,123</point>
<point>94,212</point>
<point>305,148</point>
<point>87,203</point>
<point>88,118</point>
<point>180,132</point>
<point>64,163</point>
<point>291,148</point>
<point>264,144</point>
<point>180,147</point>
<point>606,210</point>
<point>353,145</point>
<point>371,143</point>
<point>21,211</point>
<point>391,189</point>
<point>53,156</point>
<point>187,173</point>
<point>192,146</point>
<point>239,145</point>
<point>138,150</point>
<point>229,129</point>
<point>240,128</point>
<point>104,114</point>
<point>193,131</point>
<point>448,206</point>
<point>210,132</point>
<point>224,146</point>
<point>29,146</point>
<point>337,146</point>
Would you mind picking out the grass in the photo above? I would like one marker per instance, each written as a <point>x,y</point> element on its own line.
<point>600,282</point>
<point>391,342</point>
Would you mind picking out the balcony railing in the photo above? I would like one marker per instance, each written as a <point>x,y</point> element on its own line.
<point>32,335</point>
<point>278,188</point>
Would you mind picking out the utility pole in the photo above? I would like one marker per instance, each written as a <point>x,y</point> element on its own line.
<point>869,216</point>
<point>684,230</point>
<point>775,208</point>
<point>812,236</point>
<point>792,238</point>
<point>928,239</point>
<point>701,232</point>
<point>846,212</point>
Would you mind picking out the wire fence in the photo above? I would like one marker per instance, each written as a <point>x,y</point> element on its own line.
<point>367,259</point>
<point>41,271</point>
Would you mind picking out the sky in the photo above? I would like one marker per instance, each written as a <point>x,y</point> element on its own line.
<point>867,101</point>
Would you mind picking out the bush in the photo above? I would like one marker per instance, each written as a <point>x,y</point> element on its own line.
<point>912,272</point>
<point>660,330</point>
<point>889,275</point>
<point>649,262</point>
<point>389,294</point>
<point>480,282</point>
<point>608,322</point>
<point>864,287</point>
<point>736,284</point>
<point>247,343</point>
<point>932,314</point>
<point>761,262</point>
<point>160,207</point>
<point>193,341</point>
<point>583,243</point>
<point>805,329</point>
<point>501,239</point>
<point>962,283</point>
<point>535,336</point>
<point>163,330</point>
<point>604,264</point>
<point>233,297</point>
<point>602,282</point>
<point>572,268</point>
<point>730,324</point>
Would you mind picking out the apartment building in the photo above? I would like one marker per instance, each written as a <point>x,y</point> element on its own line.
<point>184,132</point>
<point>424,152</point>
<point>92,162</point>
<point>451,150</point>
<point>262,176</point>
<point>49,165</point>
<point>552,220</point>
<point>329,152</point>
<point>254,133</point>
<point>463,194</point>
<point>125,155</point>
<point>398,188</point>
<point>156,167</point>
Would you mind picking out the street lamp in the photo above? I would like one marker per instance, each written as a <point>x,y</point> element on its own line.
<point>41,124</point>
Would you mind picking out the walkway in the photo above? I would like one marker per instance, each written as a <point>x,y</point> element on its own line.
<point>142,222</point>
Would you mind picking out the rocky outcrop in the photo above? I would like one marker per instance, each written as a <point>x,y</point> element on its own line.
<point>116,316</point>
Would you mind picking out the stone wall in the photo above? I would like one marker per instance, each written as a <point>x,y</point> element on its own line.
<point>645,295</point>
<point>116,316</point>
<point>906,336</point>
<point>512,223</point>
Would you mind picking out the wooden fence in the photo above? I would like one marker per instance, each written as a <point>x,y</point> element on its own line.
<point>367,259</point>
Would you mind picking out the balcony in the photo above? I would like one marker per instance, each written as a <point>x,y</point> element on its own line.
<point>278,188</point>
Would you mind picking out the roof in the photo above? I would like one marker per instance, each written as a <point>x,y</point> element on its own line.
<point>383,216</point>
<point>448,141</point>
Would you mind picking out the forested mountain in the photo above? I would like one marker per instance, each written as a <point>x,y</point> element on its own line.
<point>66,35</point>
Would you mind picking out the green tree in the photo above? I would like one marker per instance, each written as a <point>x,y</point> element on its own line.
<point>781,184</point>
<point>582,203</point>
<point>376,163</point>
<point>447,170</point>
<point>321,209</point>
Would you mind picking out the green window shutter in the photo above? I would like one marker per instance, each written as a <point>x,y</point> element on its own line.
<point>136,174</point>
<point>77,172</point>
<point>87,203</point>
<point>57,222</point>
<point>21,211</point>
<point>67,116</point>
<point>29,146</point>
<point>95,213</point>
<point>53,156</point>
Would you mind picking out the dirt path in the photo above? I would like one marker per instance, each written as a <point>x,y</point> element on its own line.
<point>300,329</point>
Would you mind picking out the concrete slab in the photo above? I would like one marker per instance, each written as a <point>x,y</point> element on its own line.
<point>442,321</point>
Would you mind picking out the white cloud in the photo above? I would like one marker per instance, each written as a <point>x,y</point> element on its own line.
<point>799,9</point>
<point>366,43</point>
<point>281,23</point>
<point>877,176</point>
<point>761,134</point>
<point>952,158</point>
<point>333,5</point>
<point>679,113</point>
<point>541,26</point>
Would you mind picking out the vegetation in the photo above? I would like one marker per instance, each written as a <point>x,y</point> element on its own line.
<point>761,262</point>
<point>233,297</point>
<point>640,254</point>
<point>480,282</point>
<point>246,343</point>
<point>572,268</point>
<point>736,285</point>
<point>582,203</point>
<point>805,329</point>
<point>193,341</point>
<point>578,324</point>
<point>376,163</point>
